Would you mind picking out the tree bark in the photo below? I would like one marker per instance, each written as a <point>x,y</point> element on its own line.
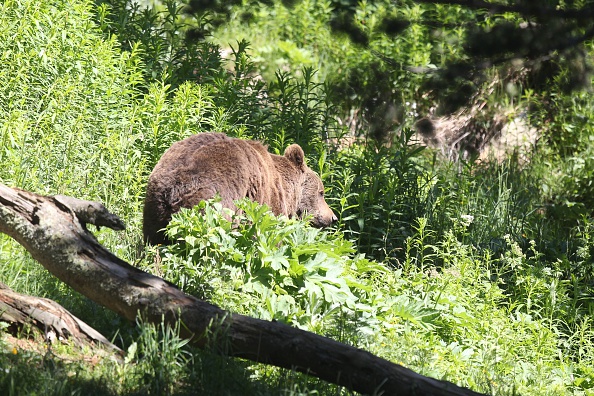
<point>49,318</point>
<point>55,235</point>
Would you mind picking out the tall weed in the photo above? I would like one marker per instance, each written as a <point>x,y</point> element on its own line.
<point>158,34</point>
<point>382,191</point>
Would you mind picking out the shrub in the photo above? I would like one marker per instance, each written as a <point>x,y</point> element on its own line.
<point>271,267</point>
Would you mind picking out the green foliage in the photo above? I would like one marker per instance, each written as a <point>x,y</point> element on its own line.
<point>302,112</point>
<point>45,372</point>
<point>483,311</point>
<point>157,361</point>
<point>159,36</point>
<point>569,191</point>
<point>477,333</point>
<point>272,267</point>
<point>565,120</point>
<point>289,110</point>
<point>371,80</point>
<point>390,181</point>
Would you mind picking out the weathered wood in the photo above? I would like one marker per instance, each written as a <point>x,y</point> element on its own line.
<point>55,238</point>
<point>91,212</point>
<point>50,319</point>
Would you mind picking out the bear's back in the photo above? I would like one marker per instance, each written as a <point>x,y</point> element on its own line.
<point>177,155</point>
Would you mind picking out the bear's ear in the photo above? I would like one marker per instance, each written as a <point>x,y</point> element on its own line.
<point>295,154</point>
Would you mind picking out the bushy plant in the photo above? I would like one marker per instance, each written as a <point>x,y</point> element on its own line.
<point>158,33</point>
<point>287,110</point>
<point>370,78</point>
<point>378,192</point>
<point>269,266</point>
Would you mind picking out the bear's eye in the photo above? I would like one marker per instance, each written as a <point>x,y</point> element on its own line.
<point>322,193</point>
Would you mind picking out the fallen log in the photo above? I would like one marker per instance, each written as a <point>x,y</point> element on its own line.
<point>55,235</point>
<point>24,313</point>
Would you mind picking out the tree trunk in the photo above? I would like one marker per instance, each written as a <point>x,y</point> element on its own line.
<point>53,230</point>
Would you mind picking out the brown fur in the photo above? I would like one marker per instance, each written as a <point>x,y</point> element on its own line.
<point>207,164</point>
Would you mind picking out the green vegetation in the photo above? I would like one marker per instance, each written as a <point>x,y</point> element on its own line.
<point>476,272</point>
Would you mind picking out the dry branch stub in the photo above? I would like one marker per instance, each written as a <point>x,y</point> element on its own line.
<point>476,133</point>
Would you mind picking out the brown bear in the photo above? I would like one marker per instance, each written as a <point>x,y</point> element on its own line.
<point>207,164</point>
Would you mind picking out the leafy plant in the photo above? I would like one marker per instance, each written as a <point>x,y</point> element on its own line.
<point>387,188</point>
<point>159,35</point>
<point>280,268</point>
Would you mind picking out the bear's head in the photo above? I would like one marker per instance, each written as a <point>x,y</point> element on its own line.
<point>311,200</point>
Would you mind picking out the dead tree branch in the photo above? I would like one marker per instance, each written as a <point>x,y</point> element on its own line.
<point>23,312</point>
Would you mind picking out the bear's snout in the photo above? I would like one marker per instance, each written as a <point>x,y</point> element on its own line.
<point>324,219</point>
